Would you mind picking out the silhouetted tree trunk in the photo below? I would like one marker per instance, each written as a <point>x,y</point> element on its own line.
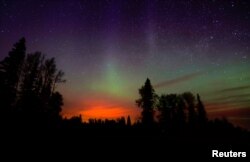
<point>190,101</point>
<point>165,108</point>
<point>180,116</point>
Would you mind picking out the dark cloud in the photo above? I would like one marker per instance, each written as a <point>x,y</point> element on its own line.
<point>233,102</point>
<point>237,96</point>
<point>235,88</point>
<point>177,80</point>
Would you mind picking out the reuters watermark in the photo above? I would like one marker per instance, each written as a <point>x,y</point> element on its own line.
<point>216,153</point>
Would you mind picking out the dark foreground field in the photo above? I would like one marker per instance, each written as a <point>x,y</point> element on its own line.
<point>118,145</point>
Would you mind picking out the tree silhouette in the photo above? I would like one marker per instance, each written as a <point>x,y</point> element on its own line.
<point>29,103</point>
<point>128,121</point>
<point>171,108</point>
<point>38,101</point>
<point>201,113</point>
<point>147,102</point>
<point>180,116</point>
<point>190,102</point>
<point>10,71</point>
<point>27,88</point>
<point>29,99</point>
<point>121,121</point>
<point>166,107</point>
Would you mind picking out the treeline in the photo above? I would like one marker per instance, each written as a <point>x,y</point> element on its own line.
<point>175,111</point>
<point>28,89</point>
<point>29,99</point>
<point>167,115</point>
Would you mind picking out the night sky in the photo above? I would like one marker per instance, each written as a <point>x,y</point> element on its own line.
<point>108,48</point>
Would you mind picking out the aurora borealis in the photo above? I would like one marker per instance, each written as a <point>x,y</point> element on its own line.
<point>107,49</point>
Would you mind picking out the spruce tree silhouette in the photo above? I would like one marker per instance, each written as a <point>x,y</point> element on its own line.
<point>128,121</point>
<point>10,71</point>
<point>147,103</point>
<point>201,112</point>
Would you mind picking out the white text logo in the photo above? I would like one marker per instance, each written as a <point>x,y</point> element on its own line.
<point>216,153</point>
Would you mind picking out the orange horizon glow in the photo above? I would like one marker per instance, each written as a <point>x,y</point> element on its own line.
<point>100,112</point>
<point>101,109</point>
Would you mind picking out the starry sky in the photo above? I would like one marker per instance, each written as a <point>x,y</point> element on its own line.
<point>107,49</point>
